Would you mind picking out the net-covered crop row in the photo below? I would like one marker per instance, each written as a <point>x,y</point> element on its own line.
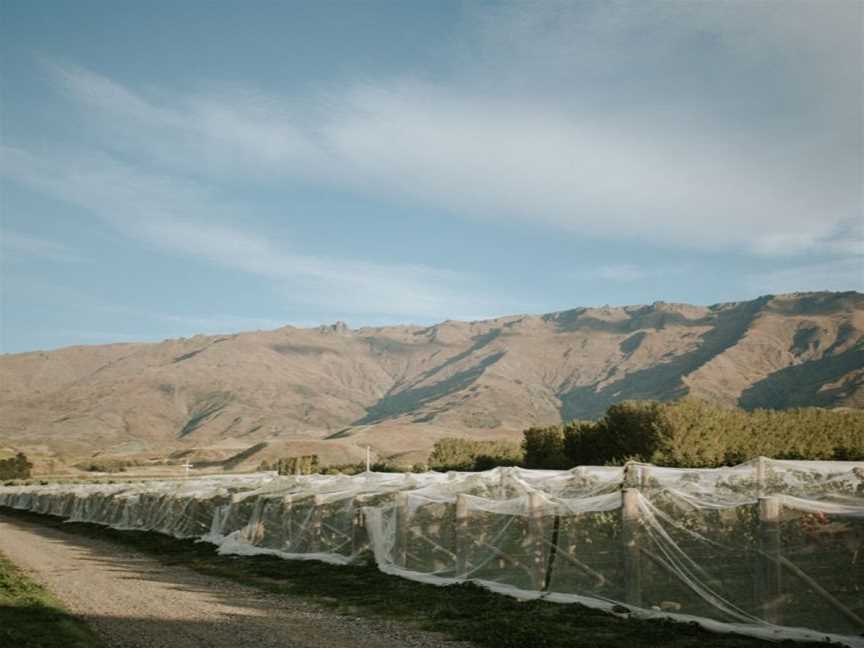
<point>768,548</point>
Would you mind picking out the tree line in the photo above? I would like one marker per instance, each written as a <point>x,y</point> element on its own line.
<point>302,465</point>
<point>687,433</point>
<point>469,454</point>
<point>17,467</point>
<point>695,434</point>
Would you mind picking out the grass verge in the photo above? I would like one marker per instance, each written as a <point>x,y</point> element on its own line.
<point>462,612</point>
<point>31,618</point>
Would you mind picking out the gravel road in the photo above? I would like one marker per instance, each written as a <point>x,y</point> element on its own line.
<point>133,601</point>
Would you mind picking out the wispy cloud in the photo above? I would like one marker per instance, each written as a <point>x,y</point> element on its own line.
<point>17,244</point>
<point>232,133</point>
<point>187,218</point>
<point>624,272</point>
<point>596,119</point>
<point>839,274</point>
<point>672,169</point>
<point>845,239</point>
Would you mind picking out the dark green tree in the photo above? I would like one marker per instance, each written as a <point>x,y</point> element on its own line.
<point>543,447</point>
<point>17,467</point>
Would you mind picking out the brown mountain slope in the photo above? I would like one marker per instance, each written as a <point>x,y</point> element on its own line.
<point>331,390</point>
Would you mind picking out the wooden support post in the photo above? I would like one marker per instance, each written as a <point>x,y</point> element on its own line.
<point>463,544</point>
<point>627,475</point>
<point>359,535</point>
<point>644,480</point>
<point>553,553</point>
<point>769,575</point>
<point>761,470</point>
<point>632,555</point>
<point>254,530</point>
<point>402,528</point>
<point>287,532</point>
<point>537,543</point>
<point>314,544</point>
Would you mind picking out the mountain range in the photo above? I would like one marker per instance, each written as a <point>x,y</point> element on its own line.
<point>234,400</point>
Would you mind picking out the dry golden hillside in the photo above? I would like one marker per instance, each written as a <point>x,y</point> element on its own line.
<point>332,390</point>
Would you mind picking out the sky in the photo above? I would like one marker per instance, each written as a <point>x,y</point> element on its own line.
<point>174,168</point>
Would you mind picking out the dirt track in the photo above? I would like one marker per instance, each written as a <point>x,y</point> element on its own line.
<point>133,601</point>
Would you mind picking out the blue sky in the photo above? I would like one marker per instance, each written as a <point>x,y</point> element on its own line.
<point>171,168</point>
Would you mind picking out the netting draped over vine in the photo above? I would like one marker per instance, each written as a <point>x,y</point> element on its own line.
<point>767,548</point>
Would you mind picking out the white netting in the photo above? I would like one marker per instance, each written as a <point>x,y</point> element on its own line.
<point>768,548</point>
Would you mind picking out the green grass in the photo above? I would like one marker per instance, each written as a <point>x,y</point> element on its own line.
<point>31,618</point>
<point>463,612</point>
